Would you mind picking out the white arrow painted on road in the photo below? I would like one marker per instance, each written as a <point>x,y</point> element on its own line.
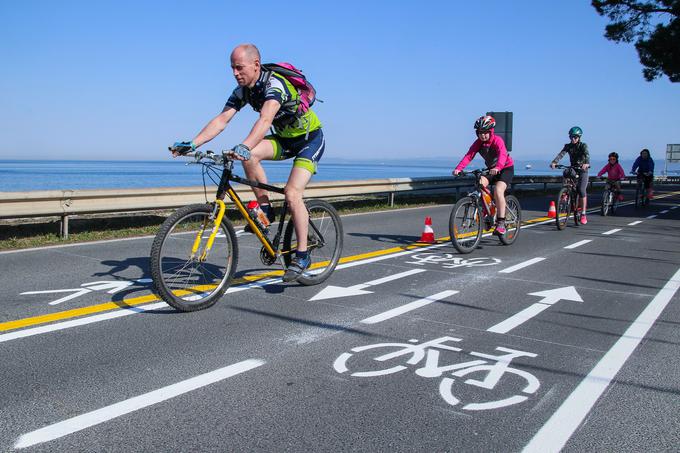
<point>550,297</point>
<point>332,292</point>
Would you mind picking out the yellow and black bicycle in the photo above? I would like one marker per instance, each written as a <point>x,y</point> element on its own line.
<point>195,253</point>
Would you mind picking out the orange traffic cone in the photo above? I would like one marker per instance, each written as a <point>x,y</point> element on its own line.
<point>552,212</point>
<point>428,234</point>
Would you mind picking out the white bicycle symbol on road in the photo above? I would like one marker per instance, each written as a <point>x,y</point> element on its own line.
<point>495,367</point>
<point>451,261</point>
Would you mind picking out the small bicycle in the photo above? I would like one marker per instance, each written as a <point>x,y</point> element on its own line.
<point>477,211</point>
<point>568,198</point>
<point>194,254</point>
<point>610,199</point>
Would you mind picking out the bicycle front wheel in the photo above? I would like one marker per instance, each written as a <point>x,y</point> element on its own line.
<point>465,225</point>
<point>513,220</point>
<point>186,274</point>
<point>324,242</point>
<point>576,209</point>
<point>605,209</point>
<point>563,208</point>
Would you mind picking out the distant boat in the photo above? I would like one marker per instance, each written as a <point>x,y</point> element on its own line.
<point>528,166</point>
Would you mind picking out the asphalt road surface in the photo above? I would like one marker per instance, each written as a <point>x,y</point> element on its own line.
<point>566,340</point>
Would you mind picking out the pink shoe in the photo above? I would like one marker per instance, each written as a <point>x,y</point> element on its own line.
<point>584,219</point>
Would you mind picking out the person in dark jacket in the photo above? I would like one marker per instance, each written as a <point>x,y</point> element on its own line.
<point>643,167</point>
<point>579,157</point>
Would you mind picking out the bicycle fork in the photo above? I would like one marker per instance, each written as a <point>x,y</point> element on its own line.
<point>218,214</point>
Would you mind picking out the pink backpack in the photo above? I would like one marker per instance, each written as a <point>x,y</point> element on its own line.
<point>298,80</point>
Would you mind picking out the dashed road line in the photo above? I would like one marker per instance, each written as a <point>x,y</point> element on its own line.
<point>81,422</point>
<point>615,230</point>
<point>408,307</point>
<point>637,222</point>
<point>651,217</point>
<point>522,265</point>
<point>578,244</point>
<point>665,211</point>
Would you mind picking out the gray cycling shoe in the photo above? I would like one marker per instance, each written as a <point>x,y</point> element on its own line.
<point>296,268</point>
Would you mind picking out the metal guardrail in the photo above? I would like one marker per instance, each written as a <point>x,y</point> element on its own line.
<point>64,203</point>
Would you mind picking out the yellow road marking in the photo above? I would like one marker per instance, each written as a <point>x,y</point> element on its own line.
<point>108,306</point>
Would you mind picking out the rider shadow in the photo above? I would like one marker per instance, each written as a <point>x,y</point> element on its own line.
<point>388,238</point>
<point>310,323</point>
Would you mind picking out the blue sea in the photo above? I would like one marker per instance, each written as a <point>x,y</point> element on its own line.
<point>28,175</point>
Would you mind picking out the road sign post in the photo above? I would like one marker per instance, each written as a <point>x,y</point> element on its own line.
<point>672,156</point>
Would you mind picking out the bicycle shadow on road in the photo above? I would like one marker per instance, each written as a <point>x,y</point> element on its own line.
<point>310,323</point>
<point>387,238</point>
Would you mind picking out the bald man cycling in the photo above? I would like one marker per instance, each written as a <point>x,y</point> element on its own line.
<point>296,135</point>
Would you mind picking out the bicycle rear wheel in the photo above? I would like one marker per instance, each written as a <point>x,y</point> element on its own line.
<point>324,242</point>
<point>563,208</point>
<point>638,191</point>
<point>181,276</point>
<point>513,220</point>
<point>465,225</point>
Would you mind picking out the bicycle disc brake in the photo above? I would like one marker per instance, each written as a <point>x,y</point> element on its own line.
<point>266,258</point>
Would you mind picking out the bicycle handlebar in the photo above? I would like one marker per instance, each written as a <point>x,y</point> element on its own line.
<point>478,172</point>
<point>562,167</point>
<point>217,159</point>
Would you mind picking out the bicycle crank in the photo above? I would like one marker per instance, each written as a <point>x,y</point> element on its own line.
<point>266,258</point>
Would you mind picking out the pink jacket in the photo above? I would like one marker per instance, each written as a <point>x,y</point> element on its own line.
<point>494,153</point>
<point>614,172</point>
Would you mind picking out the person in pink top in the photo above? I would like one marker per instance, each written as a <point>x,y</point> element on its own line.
<point>501,167</point>
<point>615,173</point>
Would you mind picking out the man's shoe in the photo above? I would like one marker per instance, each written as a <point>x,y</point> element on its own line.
<point>296,268</point>
<point>584,219</point>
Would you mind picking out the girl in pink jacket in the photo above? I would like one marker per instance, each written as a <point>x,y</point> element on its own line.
<point>615,173</point>
<point>501,167</point>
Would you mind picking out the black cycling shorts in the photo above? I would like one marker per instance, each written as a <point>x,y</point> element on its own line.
<point>505,175</point>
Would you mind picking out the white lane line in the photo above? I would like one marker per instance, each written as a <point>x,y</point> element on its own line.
<point>651,217</point>
<point>665,211</point>
<point>80,422</point>
<point>518,319</point>
<point>389,278</point>
<point>80,321</point>
<point>637,222</point>
<point>408,307</point>
<point>578,244</point>
<point>563,423</point>
<point>674,207</point>
<point>519,266</point>
<point>615,230</point>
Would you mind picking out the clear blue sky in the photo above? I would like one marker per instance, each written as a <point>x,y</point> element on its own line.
<point>124,79</point>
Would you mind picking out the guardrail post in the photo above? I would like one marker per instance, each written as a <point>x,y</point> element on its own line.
<point>390,199</point>
<point>64,227</point>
